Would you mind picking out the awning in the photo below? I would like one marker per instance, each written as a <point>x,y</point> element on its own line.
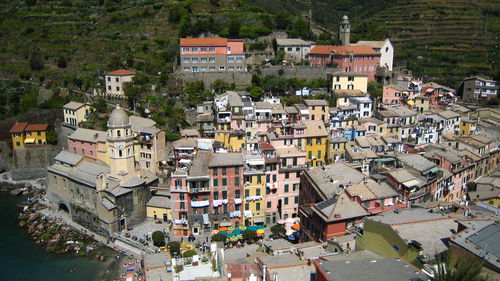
<point>30,140</point>
<point>410,102</point>
<point>258,220</point>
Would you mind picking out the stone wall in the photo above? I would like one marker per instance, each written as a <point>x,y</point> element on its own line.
<point>243,79</point>
<point>31,162</point>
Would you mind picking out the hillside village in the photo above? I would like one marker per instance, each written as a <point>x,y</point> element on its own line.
<point>372,175</point>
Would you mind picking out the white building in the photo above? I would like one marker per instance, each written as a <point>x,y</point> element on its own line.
<point>363,104</point>
<point>385,49</point>
<point>295,50</point>
<point>115,80</point>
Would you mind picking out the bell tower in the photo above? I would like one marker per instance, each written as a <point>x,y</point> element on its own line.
<point>345,31</point>
<point>120,144</point>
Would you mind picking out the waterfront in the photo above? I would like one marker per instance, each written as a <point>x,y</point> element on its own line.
<point>22,259</point>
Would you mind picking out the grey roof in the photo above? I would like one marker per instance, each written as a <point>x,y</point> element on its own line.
<point>159,201</point>
<point>73,105</point>
<point>348,93</point>
<point>133,182</point>
<point>450,155</point>
<point>204,118</point>
<point>234,98</point>
<point>117,191</point>
<point>380,269</point>
<point>482,242</point>
<point>407,216</point>
<point>186,142</point>
<point>277,244</point>
<point>88,135</point>
<point>108,204</point>
<point>68,158</point>
<point>200,165</point>
<point>293,42</point>
<point>328,180</point>
<point>315,102</point>
<point>381,190</point>
<point>372,120</point>
<point>263,105</point>
<point>403,176</point>
<point>340,207</point>
<point>118,117</point>
<point>403,111</point>
<point>139,123</point>
<point>89,171</point>
<point>291,110</point>
<point>225,159</point>
<point>416,162</point>
<point>448,114</point>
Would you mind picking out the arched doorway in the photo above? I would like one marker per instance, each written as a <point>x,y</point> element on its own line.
<point>63,207</point>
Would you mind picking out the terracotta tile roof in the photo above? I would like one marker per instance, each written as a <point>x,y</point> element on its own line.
<point>18,127</point>
<point>36,127</point>
<point>266,146</point>
<point>203,41</point>
<point>121,72</point>
<point>343,50</point>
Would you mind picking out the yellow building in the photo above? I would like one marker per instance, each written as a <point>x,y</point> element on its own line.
<point>422,103</point>
<point>222,133</point>
<point>75,113</point>
<point>158,207</point>
<point>318,109</point>
<point>314,142</point>
<point>349,81</point>
<point>255,189</point>
<point>24,134</point>
<point>467,126</point>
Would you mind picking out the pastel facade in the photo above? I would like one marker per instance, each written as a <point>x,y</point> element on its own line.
<point>212,54</point>
<point>75,113</point>
<point>475,88</point>
<point>296,50</point>
<point>24,134</point>
<point>115,81</point>
<point>349,81</point>
<point>384,48</point>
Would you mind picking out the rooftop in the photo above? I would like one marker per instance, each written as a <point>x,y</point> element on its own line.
<point>36,127</point>
<point>293,42</point>
<point>18,127</point>
<point>348,93</point>
<point>314,128</point>
<point>203,41</point>
<point>448,114</point>
<point>340,207</point>
<point>73,105</point>
<point>371,44</point>
<point>68,158</point>
<point>329,179</point>
<point>416,162</point>
<point>315,102</point>
<point>159,201</point>
<point>139,123</point>
<point>225,160</point>
<point>343,50</point>
<point>121,72</point>
<point>88,135</point>
<point>200,165</point>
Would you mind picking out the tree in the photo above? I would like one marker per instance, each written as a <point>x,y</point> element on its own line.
<point>36,61</point>
<point>274,84</point>
<point>220,86</point>
<point>234,28</point>
<point>158,238</point>
<point>256,80</point>
<point>278,230</point>
<point>62,63</point>
<point>215,2</point>
<point>256,93</point>
<point>100,106</point>
<point>174,247</point>
<point>249,235</point>
<point>52,137</point>
<point>452,268</point>
<point>219,238</point>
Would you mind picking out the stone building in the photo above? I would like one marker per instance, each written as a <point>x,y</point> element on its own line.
<point>101,197</point>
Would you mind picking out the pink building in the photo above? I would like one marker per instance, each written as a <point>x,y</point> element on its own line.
<point>359,59</point>
<point>212,54</point>
<point>393,94</point>
<point>86,142</point>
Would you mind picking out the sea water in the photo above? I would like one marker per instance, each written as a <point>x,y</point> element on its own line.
<point>23,260</point>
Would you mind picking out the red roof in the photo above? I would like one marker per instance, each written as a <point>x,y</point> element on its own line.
<point>36,127</point>
<point>18,127</point>
<point>203,41</point>
<point>121,72</point>
<point>343,50</point>
<point>266,146</point>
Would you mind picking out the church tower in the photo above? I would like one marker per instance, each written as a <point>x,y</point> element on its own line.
<point>120,145</point>
<point>345,31</point>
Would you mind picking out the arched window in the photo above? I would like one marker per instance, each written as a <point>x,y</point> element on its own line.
<point>119,133</point>
<point>120,153</point>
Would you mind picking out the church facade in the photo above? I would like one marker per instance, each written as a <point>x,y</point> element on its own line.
<point>104,198</point>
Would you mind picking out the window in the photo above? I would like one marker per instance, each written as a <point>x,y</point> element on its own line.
<point>181,196</point>
<point>204,60</point>
<point>237,181</point>
<point>211,49</point>
<point>223,171</point>
<point>182,205</point>
<point>236,170</point>
<point>194,69</point>
<point>287,175</point>
<point>296,200</point>
<point>211,59</point>
<point>286,200</point>
<point>319,154</point>
<point>185,50</point>
<point>109,79</point>
<point>237,193</point>
<point>257,206</point>
<point>194,60</point>
<point>185,69</point>
<point>216,182</point>
<point>216,195</point>
<point>247,192</point>
<point>118,88</point>
<point>224,194</point>
<point>296,186</point>
<point>350,78</point>
<point>211,68</point>
<point>269,205</point>
<point>350,87</point>
<point>309,155</point>
<point>318,140</point>
<point>289,49</point>
<point>287,187</point>
<point>195,49</point>
<point>203,49</point>
<point>239,59</point>
<point>297,49</point>
<point>309,141</point>
<point>259,179</point>
<point>224,182</point>
<point>230,59</point>
<point>257,192</point>
<point>247,206</point>
<point>216,172</point>
<point>185,60</point>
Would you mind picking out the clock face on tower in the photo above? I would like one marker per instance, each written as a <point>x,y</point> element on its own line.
<point>120,146</point>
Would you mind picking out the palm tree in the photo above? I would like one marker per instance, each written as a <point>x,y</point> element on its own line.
<point>464,268</point>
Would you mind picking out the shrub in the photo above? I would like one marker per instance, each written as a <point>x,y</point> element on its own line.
<point>189,253</point>
<point>278,230</point>
<point>219,238</point>
<point>250,235</point>
<point>158,238</point>
<point>174,246</point>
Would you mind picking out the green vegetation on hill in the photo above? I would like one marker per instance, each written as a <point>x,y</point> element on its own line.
<point>67,43</point>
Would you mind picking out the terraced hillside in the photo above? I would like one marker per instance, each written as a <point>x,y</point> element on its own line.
<point>443,39</point>
<point>69,41</point>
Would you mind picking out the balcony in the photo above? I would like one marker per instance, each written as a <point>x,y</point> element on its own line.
<point>198,189</point>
